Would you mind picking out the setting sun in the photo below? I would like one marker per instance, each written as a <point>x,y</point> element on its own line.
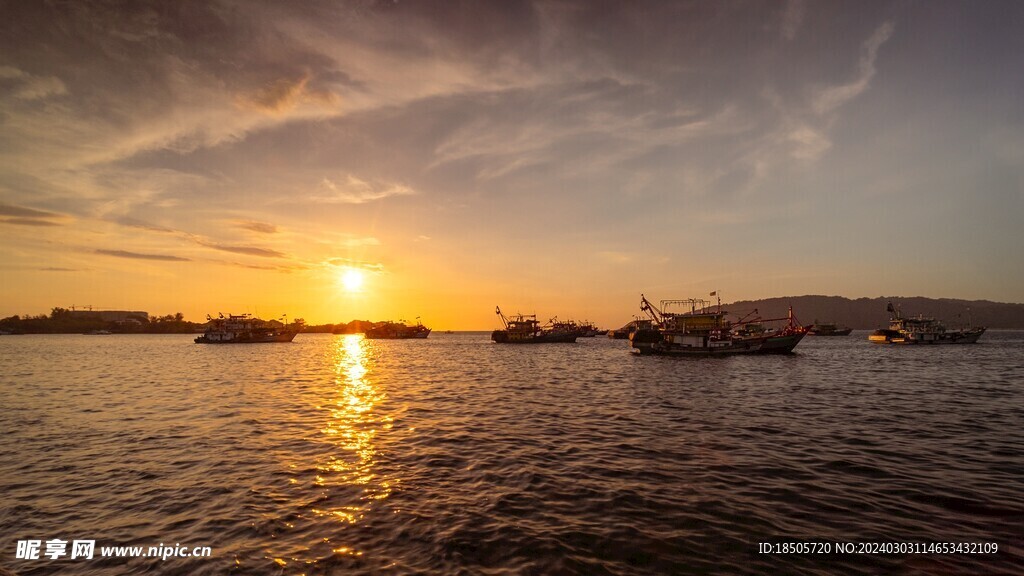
<point>352,280</point>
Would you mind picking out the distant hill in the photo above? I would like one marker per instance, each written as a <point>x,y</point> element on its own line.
<point>870,313</point>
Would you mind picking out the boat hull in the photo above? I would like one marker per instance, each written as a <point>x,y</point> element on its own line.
<point>248,338</point>
<point>505,337</point>
<point>652,342</point>
<point>397,336</point>
<point>843,332</point>
<point>928,338</point>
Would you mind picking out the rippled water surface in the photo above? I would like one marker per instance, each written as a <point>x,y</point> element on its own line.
<point>338,455</point>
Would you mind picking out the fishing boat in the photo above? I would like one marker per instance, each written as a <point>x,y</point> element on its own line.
<point>397,331</point>
<point>828,329</point>
<point>582,329</point>
<point>244,329</point>
<point>526,329</point>
<point>921,330</point>
<point>692,327</point>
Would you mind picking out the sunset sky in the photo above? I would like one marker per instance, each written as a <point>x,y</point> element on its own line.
<point>550,157</point>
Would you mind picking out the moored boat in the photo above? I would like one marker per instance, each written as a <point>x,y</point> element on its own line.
<point>244,329</point>
<point>588,330</point>
<point>828,329</point>
<point>703,330</point>
<point>397,331</point>
<point>526,329</point>
<point>921,330</point>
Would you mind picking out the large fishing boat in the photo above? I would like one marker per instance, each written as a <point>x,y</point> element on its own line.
<point>523,329</point>
<point>397,331</point>
<point>828,329</point>
<point>921,330</point>
<point>244,329</point>
<point>692,327</point>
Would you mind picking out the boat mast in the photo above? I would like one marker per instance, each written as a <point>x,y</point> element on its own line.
<point>647,307</point>
<point>504,320</point>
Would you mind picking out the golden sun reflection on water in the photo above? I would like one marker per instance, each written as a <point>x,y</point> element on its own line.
<point>352,426</point>
<point>344,474</point>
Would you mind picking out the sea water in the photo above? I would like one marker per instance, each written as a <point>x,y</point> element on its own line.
<point>454,455</point>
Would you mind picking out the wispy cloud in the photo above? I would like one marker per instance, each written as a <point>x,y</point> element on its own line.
<point>29,87</point>
<point>28,222</point>
<point>357,191</point>
<point>807,142</point>
<point>22,212</point>
<point>261,227</point>
<point>350,263</point>
<point>246,250</point>
<point>792,18</point>
<point>22,216</point>
<point>255,226</point>
<point>141,224</point>
<point>804,130</point>
<point>284,94</point>
<point>828,99</point>
<point>285,268</point>
<point>140,256</point>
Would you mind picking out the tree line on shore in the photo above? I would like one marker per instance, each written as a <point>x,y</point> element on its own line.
<point>63,321</point>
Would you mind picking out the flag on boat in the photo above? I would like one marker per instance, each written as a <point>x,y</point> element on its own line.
<point>889,308</point>
<point>715,293</point>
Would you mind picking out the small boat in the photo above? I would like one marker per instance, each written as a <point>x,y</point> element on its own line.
<point>244,329</point>
<point>705,331</point>
<point>828,329</point>
<point>98,333</point>
<point>396,331</point>
<point>582,329</point>
<point>588,330</point>
<point>523,329</point>
<point>921,330</point>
